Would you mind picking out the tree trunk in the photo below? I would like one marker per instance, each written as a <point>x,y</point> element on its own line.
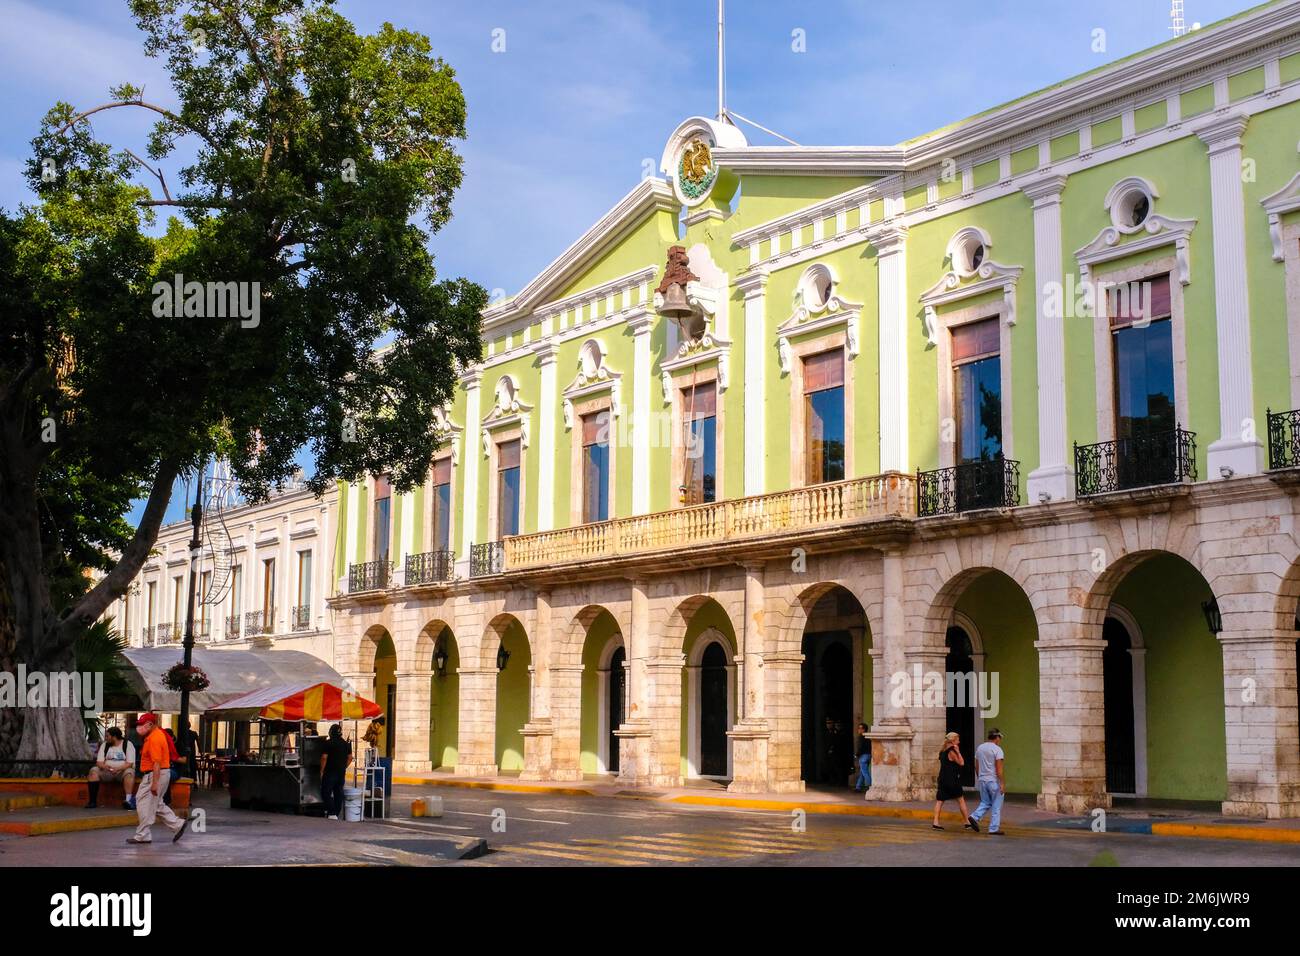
<point>11,723</point>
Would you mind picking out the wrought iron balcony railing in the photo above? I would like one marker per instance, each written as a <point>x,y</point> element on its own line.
<point>488,558</point>
<point>368,576</point>
<point>300,618</point>
<point>232,627</point>
<point>1284,439</point>
<point>166,634</point>
<point>148,635</point>
<point>429,568</point>
<point>1158,458</point>
<point>967,487</point>
<point>259,622</point>
<point>738,519</point>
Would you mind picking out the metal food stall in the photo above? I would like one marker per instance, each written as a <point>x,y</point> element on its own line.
<point>280,768</point>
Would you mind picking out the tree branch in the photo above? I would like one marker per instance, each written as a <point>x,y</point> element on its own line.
<point>143,105</point>
<point>114,584</point>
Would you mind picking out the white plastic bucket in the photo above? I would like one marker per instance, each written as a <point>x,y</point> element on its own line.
<point>352,804</point>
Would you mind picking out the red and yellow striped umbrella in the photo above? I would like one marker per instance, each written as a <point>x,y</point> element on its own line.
<point>322,702</point>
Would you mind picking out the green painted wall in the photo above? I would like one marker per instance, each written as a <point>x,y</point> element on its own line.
<point>385,677</point>
<point>598,636</point>
<point>1248,83</point>
<point>764,198</point>
<point>1151,116</point>
<point>444,709</point>
<point>1063,147</point>
<point>1006,624</point>
<point>512,700</point>
<point>1197,101</point>
<point>1186,742</point>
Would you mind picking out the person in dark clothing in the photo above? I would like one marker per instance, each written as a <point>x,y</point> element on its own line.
<point>334,762</point>
<point>950,764</point>
<point>864,760</point>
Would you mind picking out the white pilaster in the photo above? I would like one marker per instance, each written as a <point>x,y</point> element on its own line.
<point>754,288</point>
<point>890,242</point>
<point>547,352</point>
<point>1233,453</point>
<point>1053,479</point>
<point>469,456</point>
<point>641,424</point>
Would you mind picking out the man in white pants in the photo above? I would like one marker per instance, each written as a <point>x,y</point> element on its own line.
<point>155,763</point>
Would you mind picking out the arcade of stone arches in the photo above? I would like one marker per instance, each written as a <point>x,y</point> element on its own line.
<point>556,700</point>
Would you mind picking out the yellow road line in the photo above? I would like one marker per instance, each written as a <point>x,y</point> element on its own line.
<point>1221,831</point>
<point>701,849</point>
<point>736,847</point>
<point>635,848</point>
<point>609,851</point>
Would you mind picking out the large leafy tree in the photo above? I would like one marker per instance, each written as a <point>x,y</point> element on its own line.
<point>322,161</point>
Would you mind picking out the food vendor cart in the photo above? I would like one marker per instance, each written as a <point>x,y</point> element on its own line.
<point>280,769</point>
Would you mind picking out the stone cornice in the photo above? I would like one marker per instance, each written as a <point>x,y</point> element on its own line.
<point>1285,200</point>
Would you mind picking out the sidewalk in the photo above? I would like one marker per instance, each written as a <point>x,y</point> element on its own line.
<point>1017,811</point>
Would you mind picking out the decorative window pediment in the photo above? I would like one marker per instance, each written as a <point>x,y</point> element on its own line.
<point>448,431</point>
<point>1285,200</point>
<point>508,409</point>
<point>593,377</point>
<point>818,308</point>
<point>1156,231</point>
<point>988,277</point>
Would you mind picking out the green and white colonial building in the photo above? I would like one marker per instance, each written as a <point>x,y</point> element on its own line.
<point>792,430</point>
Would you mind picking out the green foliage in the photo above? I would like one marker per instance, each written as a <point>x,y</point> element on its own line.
<point>99,650</point>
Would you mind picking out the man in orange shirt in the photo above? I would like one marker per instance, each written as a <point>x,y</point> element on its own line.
<point>155,764</point>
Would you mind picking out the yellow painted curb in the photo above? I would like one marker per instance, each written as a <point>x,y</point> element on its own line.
<point>1221,831</point>
<point>25,801</point>
<point>73,825</point>
<point>845,809</point>
<point>487,785</point>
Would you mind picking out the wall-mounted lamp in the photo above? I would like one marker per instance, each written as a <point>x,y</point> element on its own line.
<point>440,660</point>
<point>1213,619</point>
<point>503,656</point>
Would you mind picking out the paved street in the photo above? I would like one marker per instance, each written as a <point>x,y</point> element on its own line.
<point>546,830</point>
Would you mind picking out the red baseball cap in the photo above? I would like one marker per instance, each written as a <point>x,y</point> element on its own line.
<point>149,718</point>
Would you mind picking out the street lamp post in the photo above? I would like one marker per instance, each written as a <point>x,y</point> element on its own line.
<point>196,520</point>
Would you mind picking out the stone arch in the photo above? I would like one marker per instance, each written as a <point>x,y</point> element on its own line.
<point>696,651</point>
<point>494,632</point>
<point>514,686</point>
<point>792,619</point>
<point>594,635</point>
<point>1180,744</point>
<point>443,689</point>
<point>426,642</point>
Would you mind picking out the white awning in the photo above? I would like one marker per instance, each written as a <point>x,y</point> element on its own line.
<point>231,672</point>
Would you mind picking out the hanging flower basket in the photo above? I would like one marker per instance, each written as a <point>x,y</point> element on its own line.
<point>181,678</point>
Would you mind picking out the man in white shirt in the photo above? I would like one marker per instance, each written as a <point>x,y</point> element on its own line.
<point>989,778</point>
<point>115,762</point>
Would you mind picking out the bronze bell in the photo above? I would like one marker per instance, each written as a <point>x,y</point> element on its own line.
<point>675,305</point>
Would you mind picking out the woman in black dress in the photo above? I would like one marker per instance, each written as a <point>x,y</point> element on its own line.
<point>950,764</point>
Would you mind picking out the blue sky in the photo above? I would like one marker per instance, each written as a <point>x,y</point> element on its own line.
<point>562,121</point>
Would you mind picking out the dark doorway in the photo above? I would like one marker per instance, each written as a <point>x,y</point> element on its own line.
<point>390,721</point>
<point>960,714</point>
<point>713,712</point>
<point>1117,683</point>
<point>617,690</point>
<point>827,708</point>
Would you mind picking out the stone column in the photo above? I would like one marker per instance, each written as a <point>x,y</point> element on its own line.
<point>469,457</point>
<point>634,734</point>
<point>754,288</point>
<point>411,753</point>
<point>891,735</point>
<point>1260,719</point>
<point>642,428</point>
<point>890,242</point>
<point>877,682</point>
<point>1053,479</point>
<point>1233,453</point>
<point>566,721</point>
<point>1072,718</point>
<point>751,737</point>
<point>664,700</point>
<point>928,716</point>
<point>547,351</point>
<point>477,734</point>
<point>538,732</point>
<point>783,673</point>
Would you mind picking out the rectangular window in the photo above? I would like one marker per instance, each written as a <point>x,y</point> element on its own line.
<point>268,592</point>
<point>977,390</point>
<point>152,605</point>
<point>205,609</point>
<point>595,466</point>
<point>236,593</point>
<point>1142,335</point>
<point>178,601</point>
<point>383,514</point>
<point>304,579</point>
<point>700,465</point>
<point>508,484</point>
<point>442,505</point>
<point>823,386</point>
